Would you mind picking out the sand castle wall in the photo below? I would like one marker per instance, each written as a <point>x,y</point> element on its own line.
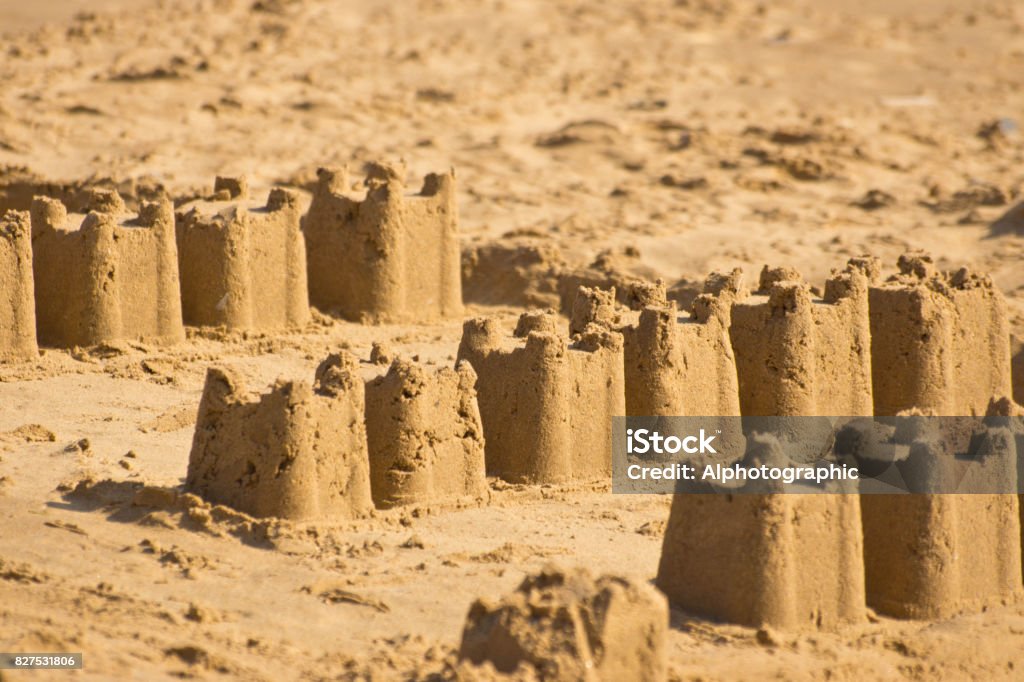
<point>107,276</point>
<point>389,257</point>
<point>297,452</point>
<point>425,436</point>
<point>940,342</point>
<point>796,355</point>
<point>243,266</point>
<point>17,292</point>
<point>546,404</point>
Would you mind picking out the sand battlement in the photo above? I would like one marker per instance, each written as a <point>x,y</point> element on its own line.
<point>546,404</point>
<point>425,435</point>
<point>105,276</point>
<point>296,452</point>
<point>389,256</point>
<point>243,264</point>
<point>17,290</point>
<point>684,365</point>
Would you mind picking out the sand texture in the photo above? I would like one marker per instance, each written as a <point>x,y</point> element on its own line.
<point>345,414</point>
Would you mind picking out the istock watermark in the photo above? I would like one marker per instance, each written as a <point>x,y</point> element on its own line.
<point>643,441</point>
<point>855,455</point>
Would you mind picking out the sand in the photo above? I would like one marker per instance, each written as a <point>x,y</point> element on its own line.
<point>595,144</point>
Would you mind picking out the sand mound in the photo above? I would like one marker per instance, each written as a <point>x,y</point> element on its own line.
<point>571,626</point>
<point>522,272</point>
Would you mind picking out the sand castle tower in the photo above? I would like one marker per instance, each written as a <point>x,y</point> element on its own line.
<point>940,345</point>
<point>789,561</point>
<point>936,555</point>
<point>1008,414</point>
<point>107,276</point>
<point>388,257</point>
<point>17,297</point>
<point>298,452</point>
<point>940,341</point>
<point>243,265</point>
<point>424,433</point>
<point>546,403</point>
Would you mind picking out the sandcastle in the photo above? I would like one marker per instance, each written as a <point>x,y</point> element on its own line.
<point>940,341</point>
<point>424,433</point>
<point>571,626</point>
<point>683,365</point>
<point>933,556</point>
<point>546,403</point>
<point>940,344</point>
<point>243,266</point>
<point>17,297</point>
<point>796,355</point>
<point>107,276</point>
<point>298,452</point>
<point>389,257</point>
<point>788,561</point>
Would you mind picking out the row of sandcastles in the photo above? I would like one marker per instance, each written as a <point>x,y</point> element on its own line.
<point>108,275</point>
<point>920,340</point>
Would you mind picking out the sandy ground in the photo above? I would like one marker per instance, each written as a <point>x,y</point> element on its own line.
<point>708,134</point>
<point>21,16</point>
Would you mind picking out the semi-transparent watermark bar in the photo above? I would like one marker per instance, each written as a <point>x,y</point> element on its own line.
<point>857,455</point>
